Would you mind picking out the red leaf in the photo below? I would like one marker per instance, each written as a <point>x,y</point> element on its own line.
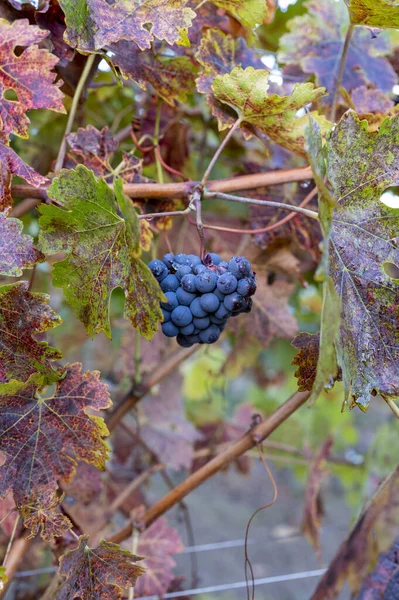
<point>16,250</point>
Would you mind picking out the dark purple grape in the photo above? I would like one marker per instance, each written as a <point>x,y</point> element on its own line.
<point>171,302</point>
<point>168,260</point>
<point>247,286</point>
<point>227,283</point>
<point>222,312</point>
<point>233,302</point>
<point>202,323</point>
<point>188,329</point>
<point>182,271</point>
<point>215,258</point>
<point>199,268</point>
<point>216,320</point>
<point>169,329</point>
<point>181,259</point>
<point>188,283</point>
<point>218,294</point>
<point>240,267</point>
<point>166,315</point>
<point>209,335</point>
<point>170,283</point>
<point>194,260</point>
<point>209,302</point>
<point>183,341</point>
<point>193,339</point>
<point>206,281</point>
<point>184,297</point>
<point>181,316</point>
<point>158,269</point>
<point>197,309</point>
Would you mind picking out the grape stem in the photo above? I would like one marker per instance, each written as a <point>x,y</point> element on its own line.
<point>195,201</point>
<point>243,200</point>
<point>340,75</point>
<point>219,151</point>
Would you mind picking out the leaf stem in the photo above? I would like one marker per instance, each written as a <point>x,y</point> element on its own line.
<point>10,541</point>
<point>393,406</point>
<point>172,213</point>
<point>342,62</point>
<point>243,200</point>
<point>219,151</point>
<point>156,141</point>
<point>72,113</point>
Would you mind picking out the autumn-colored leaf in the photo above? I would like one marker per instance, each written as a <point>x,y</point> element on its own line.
<point>164,428</point>
<point>30,75</point>
<point>245,93</point>
<point>172,77</point>
<point>22,316</point>
<point>95,148</point>
<point>16,250</point>
<point>313,510</point>
<point>371,100</point>
<point>38,434</point>
<point>97,573</point>
<point>306,359</point>
<point>361,165</point>
<point>102,249</point>
<point>374,532</point>
<point>156,545</point>
<point>12,164</point>
<point>374,13</point>
<point>249,13</point>
<point>41,514</point>
<point>315,42</point>
<point>383,582</point>
<point>93,24</point>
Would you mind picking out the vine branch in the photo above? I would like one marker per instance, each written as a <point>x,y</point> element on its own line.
<point>246,442</point>
<point>342,62</point>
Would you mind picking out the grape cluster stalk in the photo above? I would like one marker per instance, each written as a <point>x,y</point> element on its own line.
<point>202,295</point>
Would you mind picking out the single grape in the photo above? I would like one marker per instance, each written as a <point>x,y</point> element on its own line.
<point>210,335</point>
<point>196,331</point>
<point>197,309</point>
<point>170,283</point>
<point>181,316</point>
<point>172,301</point>
<point>215,258</point>
<point>233,302</point>
<point>221,270</point>
<point>240,267</point>
<point>169,329</point>
<point>218,294</point>
<point>193,339</point>
<point>183,341</point>
<point>248,307</point>
<point>166,315</point>
<point>199,268</point>
<point>182,271</point>
<point>158,269</point>
<point>194,259</point>
<point>168,260</point>
<point>227,283</point>
<point>209,302</point>
<point>223,265</point>
<point>188,283</point>
<point>216,320</point>
<point>181,259</point>
<point>188,329</point>
<point>184,297</point>
<point>202,323</point>
<point>222,312</point>
<point>247,286</point>
<point>206,281</point>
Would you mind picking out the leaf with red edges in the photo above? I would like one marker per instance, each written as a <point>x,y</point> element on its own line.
<point>22,316</point>
<point>97,573</point>
<point>41,514</point>
<point>38,435</point>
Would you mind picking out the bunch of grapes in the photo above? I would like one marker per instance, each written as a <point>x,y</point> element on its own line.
<point>201,296</point>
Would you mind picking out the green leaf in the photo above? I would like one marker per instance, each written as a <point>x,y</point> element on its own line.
<point>249,13</point>
<point>363,238</point>
<point>245,93</point>
<point>93,24</point>
<point>102,252</point>
<point>374,13</point>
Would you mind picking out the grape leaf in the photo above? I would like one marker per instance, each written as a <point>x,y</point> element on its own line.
<point>374,13</point>
<point>22,315</point>
<point>218,54</point>
<point>12,164</point>
<point>156,544</point>
<point>93,24</point>
<point>383,582</point>
<point>164,428</point>
<point>30,75</point>
<point>103,250</point>
<point>315,42</point>
<point>94,147</point>
<point>16,250</point>
<point>371,100</point>
<point>172,77</point>
<point>41,514</point>
<point>362,240</point>
<point>249,13</point>
<point>374,532</point>
<point>37,433</point>
<point>245,91</point>
<point>97,573</point>
<point>312,513</point>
